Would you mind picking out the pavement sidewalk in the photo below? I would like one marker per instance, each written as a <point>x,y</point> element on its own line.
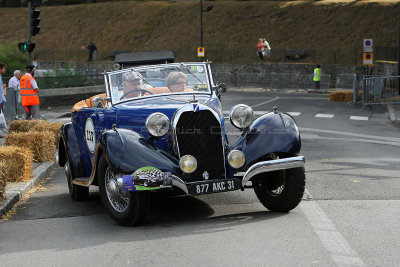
<point>16,191</point>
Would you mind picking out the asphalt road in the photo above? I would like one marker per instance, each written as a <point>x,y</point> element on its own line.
<point>353,177</point>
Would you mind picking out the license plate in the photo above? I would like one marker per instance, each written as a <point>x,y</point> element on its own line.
<point>214,186</point>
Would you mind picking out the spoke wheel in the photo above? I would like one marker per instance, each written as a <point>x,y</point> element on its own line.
<point>118,199</point>
<point>126,208</point>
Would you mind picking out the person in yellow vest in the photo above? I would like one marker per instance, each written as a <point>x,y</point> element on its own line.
<point>30,93</point>
<point>317,76</point>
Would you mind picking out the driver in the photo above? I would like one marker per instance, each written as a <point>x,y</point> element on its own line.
<point>132,81</point>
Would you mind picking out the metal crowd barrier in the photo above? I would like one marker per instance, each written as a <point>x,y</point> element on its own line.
<point>324,83</point>
<point>284,81</point>
<point>380,90</point>
<point>12,107</point>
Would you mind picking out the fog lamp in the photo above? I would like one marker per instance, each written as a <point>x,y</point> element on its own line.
<point>236,159</point>
<point>188,164</point>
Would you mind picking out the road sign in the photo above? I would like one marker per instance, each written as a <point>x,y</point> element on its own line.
<point>368,58</point>
<point>368,46</point>
<point>200,51</point>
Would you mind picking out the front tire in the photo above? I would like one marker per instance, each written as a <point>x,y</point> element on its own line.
<point>126,208</point>
<point>77,192</point>
<point>282,190</point>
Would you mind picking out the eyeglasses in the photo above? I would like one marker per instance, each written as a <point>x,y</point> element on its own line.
<point>181,83</point>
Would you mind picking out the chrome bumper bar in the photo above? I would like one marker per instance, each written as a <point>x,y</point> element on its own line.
<point>272,165</point>
<point>234,184</point>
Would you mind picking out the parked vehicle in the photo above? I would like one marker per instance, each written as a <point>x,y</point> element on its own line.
<point>154,138</point>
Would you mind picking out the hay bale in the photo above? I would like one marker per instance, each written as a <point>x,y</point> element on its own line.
<point>18,163</point>
<point>18,126</point>
<point>53,127</point>
<point>3,181</point>
<point>41,144</point>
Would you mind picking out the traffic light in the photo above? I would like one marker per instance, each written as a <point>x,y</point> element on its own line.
<point>26,47</point>
<point>35,20</point>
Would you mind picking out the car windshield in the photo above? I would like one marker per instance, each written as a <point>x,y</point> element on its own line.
<point>147,81</point>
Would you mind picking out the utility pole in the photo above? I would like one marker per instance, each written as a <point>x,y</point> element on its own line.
<point>29,30</point>
<point>201,23</point>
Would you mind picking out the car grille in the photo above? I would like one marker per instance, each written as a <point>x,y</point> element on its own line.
<point>199,134</point>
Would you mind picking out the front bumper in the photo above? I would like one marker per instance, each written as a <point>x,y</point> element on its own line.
<point>259,167</point>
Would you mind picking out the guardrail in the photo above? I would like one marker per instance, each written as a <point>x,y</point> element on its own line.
<point>380,90</point>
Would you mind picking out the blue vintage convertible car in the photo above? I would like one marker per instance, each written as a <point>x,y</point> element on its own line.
<point>161,127</point>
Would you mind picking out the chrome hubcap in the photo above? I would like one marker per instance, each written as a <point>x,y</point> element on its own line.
<point>118,198</point>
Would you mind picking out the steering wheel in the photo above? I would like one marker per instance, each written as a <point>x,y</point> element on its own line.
<point>135,90</point>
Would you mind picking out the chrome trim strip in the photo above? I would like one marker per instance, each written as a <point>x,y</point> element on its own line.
<point>272,165</point>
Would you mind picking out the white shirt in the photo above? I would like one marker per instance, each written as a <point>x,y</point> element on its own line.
<point>33,82</point>
<point>14,83</point>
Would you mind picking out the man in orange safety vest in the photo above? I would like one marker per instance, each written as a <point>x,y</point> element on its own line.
<point>30,93</point>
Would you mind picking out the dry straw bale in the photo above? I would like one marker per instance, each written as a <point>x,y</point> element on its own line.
<point>18,163</point>
<point>41,144</point>
<point>35,125</point>
<point>17,126</point>
<point>2,180</point>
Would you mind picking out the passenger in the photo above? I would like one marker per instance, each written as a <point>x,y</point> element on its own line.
<point>176,82</point>
<point>130,81</point>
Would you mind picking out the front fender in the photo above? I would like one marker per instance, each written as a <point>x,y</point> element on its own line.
<point>68,150</point>
<point>272,132</point>
<point>127,151</point>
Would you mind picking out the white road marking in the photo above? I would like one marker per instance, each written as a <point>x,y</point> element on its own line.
<point>307,195</point>
<point>340,250</point>
<point>358,118</point>
<point>321,115</point>
<point>269,101</point>
<point>393,139</point>
<point>294,114</point>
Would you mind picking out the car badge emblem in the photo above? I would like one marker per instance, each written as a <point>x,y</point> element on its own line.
<point>196,107</point>
<point>206,175</point>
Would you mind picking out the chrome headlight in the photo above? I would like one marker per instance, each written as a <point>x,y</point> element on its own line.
<point>188,164</point>
<point>157,124</point>
<point>241,116</point>
<point>236,159</point>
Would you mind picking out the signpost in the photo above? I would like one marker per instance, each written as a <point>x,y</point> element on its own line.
<point>200,51</point>
<point>368,52</point>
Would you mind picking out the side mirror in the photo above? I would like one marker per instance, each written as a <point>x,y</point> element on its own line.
<point>98,102</point>
<point>221,88</point>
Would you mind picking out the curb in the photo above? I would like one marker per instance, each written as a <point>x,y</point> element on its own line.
<point>19,190</point>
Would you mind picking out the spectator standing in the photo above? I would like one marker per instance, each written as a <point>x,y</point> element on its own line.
<point>30,93</point>
<point>2,87</point>
<point>92,50</point>
<point>317,76</point>
<point>260,49</point>
<point>267,48</point>
<point>14,84</point>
